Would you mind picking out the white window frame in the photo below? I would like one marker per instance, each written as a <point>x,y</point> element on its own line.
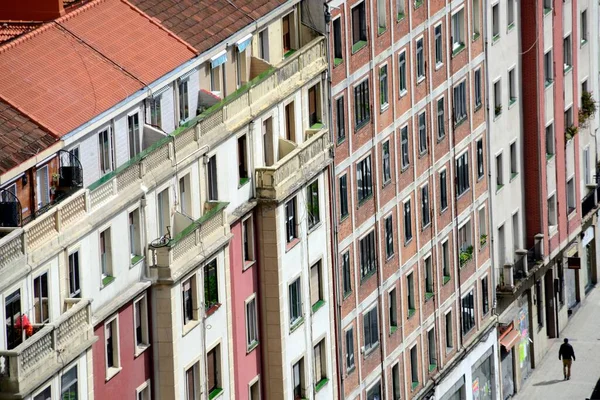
<point>255,381</point>
<point>112,371</point>
<point>251,345</point>
<point>458,22</point>
<point>139,348</point>
<point>143,387</point>
<point>135,143</point>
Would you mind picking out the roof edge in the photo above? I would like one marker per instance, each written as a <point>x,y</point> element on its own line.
<point>34,120</point>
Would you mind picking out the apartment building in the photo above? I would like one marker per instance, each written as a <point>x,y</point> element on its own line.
<point>551,264</point>
<point>415,281</point>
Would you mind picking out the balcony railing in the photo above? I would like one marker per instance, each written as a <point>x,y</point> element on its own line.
<point>193,244</point>
<point>294,169</point>
<point>589,203</point>
<point>519,269</point>
<point>52,347</point>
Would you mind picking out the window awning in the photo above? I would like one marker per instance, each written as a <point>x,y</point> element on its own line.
<point>243,43</point>
<point>218,59</point>
<point>510,339</point>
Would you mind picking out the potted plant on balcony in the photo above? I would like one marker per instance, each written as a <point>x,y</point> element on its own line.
<point>588,108</point>
<point>466,255</point>
<point>482,240</point>
<point>570,132</point>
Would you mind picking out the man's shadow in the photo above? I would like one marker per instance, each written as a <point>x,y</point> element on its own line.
<point>546,383</point>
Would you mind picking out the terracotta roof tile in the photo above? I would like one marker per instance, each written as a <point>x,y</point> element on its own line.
<point>10,30</point>
<point>206,23</point>
<point>20,138</point>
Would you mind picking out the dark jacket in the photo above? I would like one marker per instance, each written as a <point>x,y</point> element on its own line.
<point>566,352</point>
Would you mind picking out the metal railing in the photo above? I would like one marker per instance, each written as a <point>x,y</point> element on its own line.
<point>588,203</point>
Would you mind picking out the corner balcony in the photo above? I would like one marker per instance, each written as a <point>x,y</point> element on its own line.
<point>47,351</point>
<point>525,264</point>
<point>192,245</point>
<point>297,165</point>
<point>590,202</point>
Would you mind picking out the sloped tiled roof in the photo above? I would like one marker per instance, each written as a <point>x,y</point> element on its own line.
<point>205,23</point>
<point>11,29</point>
<point>68,71</point>
<point>20,138</point>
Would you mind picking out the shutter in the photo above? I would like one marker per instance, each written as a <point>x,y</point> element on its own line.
<point>318,372</point>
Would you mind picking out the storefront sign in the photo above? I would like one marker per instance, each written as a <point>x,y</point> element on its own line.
<point>574,262</point>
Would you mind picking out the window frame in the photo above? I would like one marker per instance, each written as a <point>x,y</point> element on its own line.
<point>313,204</point>
<point>144,343</point>
<point>296,313</point>
<point>467,304</point>
<point>368,255</point>
<point>291,225</point>
<point>349,349</point>
<point>252,332</point>
<point>389,236</point>
<point>383,88</point>
<point>402,79</point>
<point>405,147</point>
<point>364,179</point>
<point>343,188</point>
<point>420,56</point>
<point>386,163</point>
<point>370,329</point>
<point>112,370</point>
<point>211,293</point>
<point>407,214</point>
<point>362,105</point>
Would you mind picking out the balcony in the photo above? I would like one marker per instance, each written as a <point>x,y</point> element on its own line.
<point>49,349</point>
<point>524,265</point>
<point>295,167</point>
<point>590,202</point>
<point>190,246</point>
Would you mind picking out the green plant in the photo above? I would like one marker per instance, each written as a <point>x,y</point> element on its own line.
<point>498,109</point>
<point>482,239</point>
<point>588,108</point>
<point>466,255</point>
<point>570,132</point>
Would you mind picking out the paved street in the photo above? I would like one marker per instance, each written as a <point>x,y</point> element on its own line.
<point>583,331</point>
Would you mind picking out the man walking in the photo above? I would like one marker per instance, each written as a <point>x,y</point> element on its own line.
<point>567,354</point>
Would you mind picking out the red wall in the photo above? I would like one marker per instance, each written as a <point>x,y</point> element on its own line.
<point>135,370</point>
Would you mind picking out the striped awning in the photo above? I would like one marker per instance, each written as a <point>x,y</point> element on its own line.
<point>243,43</point>
<point>218,59</point>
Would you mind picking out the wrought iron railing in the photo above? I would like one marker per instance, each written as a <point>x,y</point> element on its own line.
<point>588,203</point>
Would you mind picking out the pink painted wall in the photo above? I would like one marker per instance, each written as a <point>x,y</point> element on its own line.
<point>135,370</point>
<point>243,284</point>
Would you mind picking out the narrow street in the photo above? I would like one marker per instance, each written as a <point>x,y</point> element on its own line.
<point>583,332</point>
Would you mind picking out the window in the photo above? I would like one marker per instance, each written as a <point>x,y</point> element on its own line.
<point>111,342</point>
<point>477,88</point>
<point>217,79</point>
<point>445,261</point>
<point>407,222</point>
<point>410,283</point>
<point>497,98</point>
<point>12,304</point>
<point>255,391</point>
<point>267,136</point>
<point>164,212</point>
<point>74,284</point>
<point>443,191</point>
<point>499,174</point>
<point>286,38</point>
<point>381,16</point>
<point>462,174</point>
<point>513,160</point>
<point>567,53</point>
<point>290,122</point>
<point>425,216</point>
<point>496,21</point>
<point>316,286</point>
<point>290,220</point>
<point>371,329</point>
<point>213,361</point>
<point>45,394</point>
<point>393,310</point>
<point>475,19</point>
<point>549,141</point>
<point>135,247</point>
<point>414,366</point>
<point>211,285</point>
<point>449,338</point>
<point>400,9</point>
<point>105,142</point>
<point>584,33</point>
<point>374,393</point>
<point>485,298</point>
<point>420,60</point>
<point>480,167</point>
<point>431,348</point>
<point>364,183</point>
<point>428,277</point>
<point>468,313</point>
<point>263,44</point>
<point>510,13</point>
<point>251,323</point>
<point>569,117</point>
<point>402,72</point>
<point>347,279</point>
<point>140,320</point>
<point>192,388</point>
<point>68,384</point>
<point>312,204</point>
<point>350,349</point>
<point>464,237</point>
<point>389,237</point>
<point>298,379</point>
<point>314,105</point>
<point>242,160</point>
<point>320,362</point>
<point>383,87</point>
<point>40,299</point>
<point>512,89</point>
<point>105,256</point>
<point>501,246</point>
<point>396,382</point>
<point>337,41</point>
<point>143,393</point>
<point>437,31</point>
<point>440,119</point>
<point>422,133</point>
<point>540,303</point>
<point>241,60</point>
<point>586,165</point>
<point>460,102</point>
<point>570,196</point>
<point>343,196</point>
<point>482,227</point>
<point>295,301</point>
<point>133,128</point>
<point>362,111</point>
<point>213,193</point>
<point>248,233</point>
<point>184,102</point>
<point>359,26</point>
<point>404,139</point>
<point>548,75</point>
<point>368,257</point>
<point>547,5</point>
<point>185,195</point>
<point>188,296</point>
<point>341,126</point>
<point>458,40</point>
<point>387,170</point>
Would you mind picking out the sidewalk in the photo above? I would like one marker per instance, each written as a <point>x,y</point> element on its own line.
<point>546,381</point>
